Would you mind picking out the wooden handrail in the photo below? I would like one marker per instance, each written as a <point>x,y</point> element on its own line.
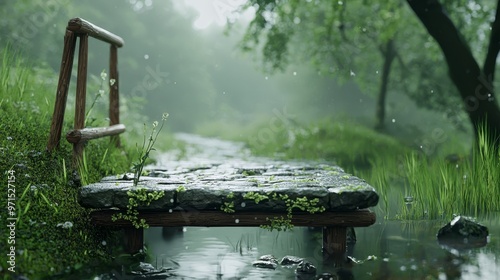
<point>76,136</point>
<point>79,25</point>
<point>80,28</point>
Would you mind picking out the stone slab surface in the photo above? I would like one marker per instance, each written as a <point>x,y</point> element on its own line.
<point>214,172</point>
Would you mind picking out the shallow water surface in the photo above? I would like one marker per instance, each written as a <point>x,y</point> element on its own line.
<point>386,250</point>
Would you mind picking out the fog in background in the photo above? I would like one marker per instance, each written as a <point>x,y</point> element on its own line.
<point>177,59</point>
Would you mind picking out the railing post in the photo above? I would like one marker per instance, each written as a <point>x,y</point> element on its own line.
<point>114,107</point>
<point>81,90</point>
<point>62,90</point>
<point>81,28</point>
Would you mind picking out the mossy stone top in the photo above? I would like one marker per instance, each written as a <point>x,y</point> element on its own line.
<point>242,185</point>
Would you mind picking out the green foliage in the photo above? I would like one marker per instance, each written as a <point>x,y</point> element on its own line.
<point>344,41</point>
<point>350,145</point>
<point>145,150</point>
<point>137,197</point>
<point>53,233</point>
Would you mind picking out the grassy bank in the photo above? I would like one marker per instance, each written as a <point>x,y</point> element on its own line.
<point>411,184</point>
<point>53,235</point>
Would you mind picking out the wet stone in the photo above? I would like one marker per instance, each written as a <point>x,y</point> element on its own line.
<point>463,233</point>
<point>305,267</point>
<point>207,182</point>
<point>288,260</point>
<point>266,261</point>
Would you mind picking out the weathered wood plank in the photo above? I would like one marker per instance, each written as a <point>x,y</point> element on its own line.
<point>62,90</point>
<point>85,134</point>
<point>360,218</point>
<point>334,241</point>
<point>134,239</point>
<point>81,95</point>
<point>79,25</point>
<point>114,97</point>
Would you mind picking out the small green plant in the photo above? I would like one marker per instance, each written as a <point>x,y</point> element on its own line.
<point>256,197</point>
<point>99,94</point>
<point>301,203</point>
<point>137,197</point>
<point>180,188</point>
<point>228,206</point>
<point>145,150</point>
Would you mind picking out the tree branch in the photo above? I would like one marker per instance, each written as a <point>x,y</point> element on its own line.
<point>493,47</point>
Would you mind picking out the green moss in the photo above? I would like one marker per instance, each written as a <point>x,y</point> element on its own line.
<point>228,206</point>
<point>256,197</point>
<point>137,197</point>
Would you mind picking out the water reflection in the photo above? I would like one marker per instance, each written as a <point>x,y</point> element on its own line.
<point>386,250</point>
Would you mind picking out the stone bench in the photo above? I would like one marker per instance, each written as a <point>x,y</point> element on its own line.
<point>196,193</point>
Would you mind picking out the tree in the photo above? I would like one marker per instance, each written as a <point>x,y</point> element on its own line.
<point>348,43</point>
<point>474,84</point>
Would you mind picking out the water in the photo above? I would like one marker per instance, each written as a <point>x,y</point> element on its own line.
<point>386,250</point>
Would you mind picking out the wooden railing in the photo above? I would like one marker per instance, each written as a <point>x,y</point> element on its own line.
<point>82,29</point>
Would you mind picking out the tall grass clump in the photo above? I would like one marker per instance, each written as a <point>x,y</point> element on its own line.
<point>439,189</point>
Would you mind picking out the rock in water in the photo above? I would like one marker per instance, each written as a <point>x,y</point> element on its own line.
<point>265,264</point>
<point>463,233</point>
<point>266,261</point>
<point>305,267</point>
<point>288,260</point>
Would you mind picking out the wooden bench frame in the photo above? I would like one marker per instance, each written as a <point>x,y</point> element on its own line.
<point>334,224</point>
<point>80,28</point>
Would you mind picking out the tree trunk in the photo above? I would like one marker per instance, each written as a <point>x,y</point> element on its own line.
<point>473,85</point>
<point>388,54</point>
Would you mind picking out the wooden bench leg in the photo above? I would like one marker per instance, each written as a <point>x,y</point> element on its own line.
<point>334,242</point>
<point>134,240</point>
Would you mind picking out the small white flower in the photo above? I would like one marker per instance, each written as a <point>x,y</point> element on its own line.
<point>164,116</point>
<point>112,82</point>
<point>65,225</point>
<point>104,75</point>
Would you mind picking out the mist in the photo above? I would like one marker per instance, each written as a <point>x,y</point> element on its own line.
<point>180,58</point>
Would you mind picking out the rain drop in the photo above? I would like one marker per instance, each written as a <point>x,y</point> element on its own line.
<point>146,56</point>
<point>170,210</point>
<point>295,73</point>
<point>243,204</point>
<point>376,72</point>
<point>237,221</point>
<point>393,120</point>
<point>353,74</point>
<point>223,92</point>
<point>296,20</point>
<point>267,78</point>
